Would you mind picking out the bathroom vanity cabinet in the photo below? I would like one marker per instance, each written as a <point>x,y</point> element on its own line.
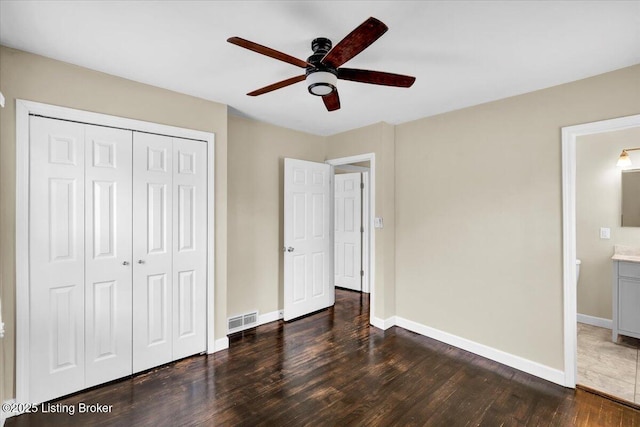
<point>626,299</point>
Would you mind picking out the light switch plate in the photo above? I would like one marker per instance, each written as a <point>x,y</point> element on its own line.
<point>605,233</point>
<point>378,222</point>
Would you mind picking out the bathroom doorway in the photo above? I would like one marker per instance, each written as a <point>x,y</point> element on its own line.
<point>604,365</point>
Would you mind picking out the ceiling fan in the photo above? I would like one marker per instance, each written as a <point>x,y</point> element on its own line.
<point>323,68</point>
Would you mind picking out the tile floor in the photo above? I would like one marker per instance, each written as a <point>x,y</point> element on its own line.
<point>611,368</point>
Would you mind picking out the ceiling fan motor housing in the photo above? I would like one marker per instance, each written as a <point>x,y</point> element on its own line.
<point>321,79</point>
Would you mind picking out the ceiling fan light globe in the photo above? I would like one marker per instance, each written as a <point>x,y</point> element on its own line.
<point>321,83</point>
<point>321,89</point>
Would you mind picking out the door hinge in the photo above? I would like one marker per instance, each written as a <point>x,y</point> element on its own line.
<point>362,185</point>
<point>362,228</point>
<point>361,273</point>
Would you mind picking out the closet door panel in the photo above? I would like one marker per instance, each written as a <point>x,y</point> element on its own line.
<point>108,255</point>
<point>189,247</point>
<point>152,254</point>
<point>56,259</point>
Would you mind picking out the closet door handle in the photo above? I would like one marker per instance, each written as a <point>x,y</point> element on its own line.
<point>125,263</point>
<point>140,261</point>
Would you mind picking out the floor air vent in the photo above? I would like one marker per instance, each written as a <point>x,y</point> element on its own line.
<point>242,322</point>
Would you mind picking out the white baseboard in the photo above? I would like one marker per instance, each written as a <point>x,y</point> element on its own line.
<point>595,321</point>
<point>383,324</point>
<point>377,322</point>
<point>517,362</point>
<point>270,317</point>
<point>221,344</point>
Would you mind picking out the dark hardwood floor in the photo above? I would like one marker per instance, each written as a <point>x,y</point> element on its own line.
<point>332,368</point>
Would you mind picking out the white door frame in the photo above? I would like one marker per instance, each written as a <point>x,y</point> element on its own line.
<point>371,158</point>
<point>365,235</point>
<point>569,139</point>
<point>23,110</point>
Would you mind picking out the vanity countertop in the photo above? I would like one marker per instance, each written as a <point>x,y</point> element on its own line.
<point>630,258</point>
<point>626,253</point>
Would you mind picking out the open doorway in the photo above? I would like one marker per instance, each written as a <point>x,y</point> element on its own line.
<point>596,357</point>
<point>349,174</point>
<point>608,362</point>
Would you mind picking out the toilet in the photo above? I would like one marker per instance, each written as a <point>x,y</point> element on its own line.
<point>578,262</point>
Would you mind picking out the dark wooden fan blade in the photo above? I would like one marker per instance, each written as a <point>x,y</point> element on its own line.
<point>375,77</point>
<point>332,101</point>
<point>355,42</point>
<point>267,51</point>
<point>278,85</point>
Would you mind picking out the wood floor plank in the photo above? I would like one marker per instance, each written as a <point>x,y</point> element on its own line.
<point>332,368</point>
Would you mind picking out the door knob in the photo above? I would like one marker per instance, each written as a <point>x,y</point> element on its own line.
<point>140,261</point>
<point>289,249</point>
<point>125,263</point>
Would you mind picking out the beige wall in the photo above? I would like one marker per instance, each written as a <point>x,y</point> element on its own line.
<point>379,139</point>
<point>256,151</point>
<point>479,214</point>
<point>598,204</point>
<point>35,78</point>
<point>255,186</point>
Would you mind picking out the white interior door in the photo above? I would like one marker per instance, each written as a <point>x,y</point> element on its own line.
<point>56,258</point>
<point>348,231</point>
<point>308,281</point>
<point>152,250</point>
<point>108,254</point>
<point>189,247</point>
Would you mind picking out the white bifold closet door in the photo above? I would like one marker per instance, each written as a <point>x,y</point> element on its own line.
<point>80,287</point>
<point>57,258</point>
<point>118,250</point>
<point>189,247</point>
<point>169,235</point>
<point>107,254</point>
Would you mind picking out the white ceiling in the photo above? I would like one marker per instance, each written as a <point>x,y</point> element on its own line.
<point>462,53</point>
